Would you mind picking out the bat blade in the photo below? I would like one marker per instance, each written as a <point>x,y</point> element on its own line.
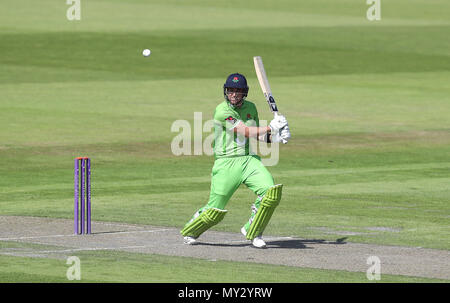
<point>264,83</point>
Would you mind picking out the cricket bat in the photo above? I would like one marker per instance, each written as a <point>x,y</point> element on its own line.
<point>264,83</point>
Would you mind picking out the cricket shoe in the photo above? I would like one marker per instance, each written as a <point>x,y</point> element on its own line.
<point>258,242</point>
<point>190,240</point>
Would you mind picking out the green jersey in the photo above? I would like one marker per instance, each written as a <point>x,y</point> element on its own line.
<point>227,143</point>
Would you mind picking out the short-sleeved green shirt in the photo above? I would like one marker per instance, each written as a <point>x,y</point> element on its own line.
<point>226,118</point>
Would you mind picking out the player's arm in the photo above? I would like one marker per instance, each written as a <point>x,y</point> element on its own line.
<point>251,131</point>
<point>265,133</point>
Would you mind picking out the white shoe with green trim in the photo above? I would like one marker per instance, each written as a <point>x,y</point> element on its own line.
<point>189,240</point>
<point>258,242</point>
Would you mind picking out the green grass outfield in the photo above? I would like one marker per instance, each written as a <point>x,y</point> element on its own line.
<point>368,105</point>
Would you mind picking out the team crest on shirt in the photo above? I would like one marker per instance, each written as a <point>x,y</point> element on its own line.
<point>249,116</point>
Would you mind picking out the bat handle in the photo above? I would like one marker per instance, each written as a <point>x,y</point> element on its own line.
<point>275,114</point>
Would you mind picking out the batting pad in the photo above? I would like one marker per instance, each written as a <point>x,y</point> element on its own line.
<point>265,211</point>
<point>203,222</point>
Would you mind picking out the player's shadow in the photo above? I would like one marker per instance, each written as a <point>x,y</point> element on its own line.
<point>223,244</point>
<point>301,243</point>
<point>282,244</point>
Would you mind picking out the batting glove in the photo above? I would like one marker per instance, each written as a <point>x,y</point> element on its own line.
<point>285,133</point>
<point>277,123</point>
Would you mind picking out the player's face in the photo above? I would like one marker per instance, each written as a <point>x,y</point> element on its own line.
<point>236,96</point>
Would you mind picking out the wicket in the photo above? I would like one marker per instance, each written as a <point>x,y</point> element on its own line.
<point>82,210</point>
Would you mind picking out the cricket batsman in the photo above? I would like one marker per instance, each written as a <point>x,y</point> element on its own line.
<point>235,121</point>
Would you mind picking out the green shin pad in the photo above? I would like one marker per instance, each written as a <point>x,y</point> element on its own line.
<point>268,204</point>
<point>203,222</point>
